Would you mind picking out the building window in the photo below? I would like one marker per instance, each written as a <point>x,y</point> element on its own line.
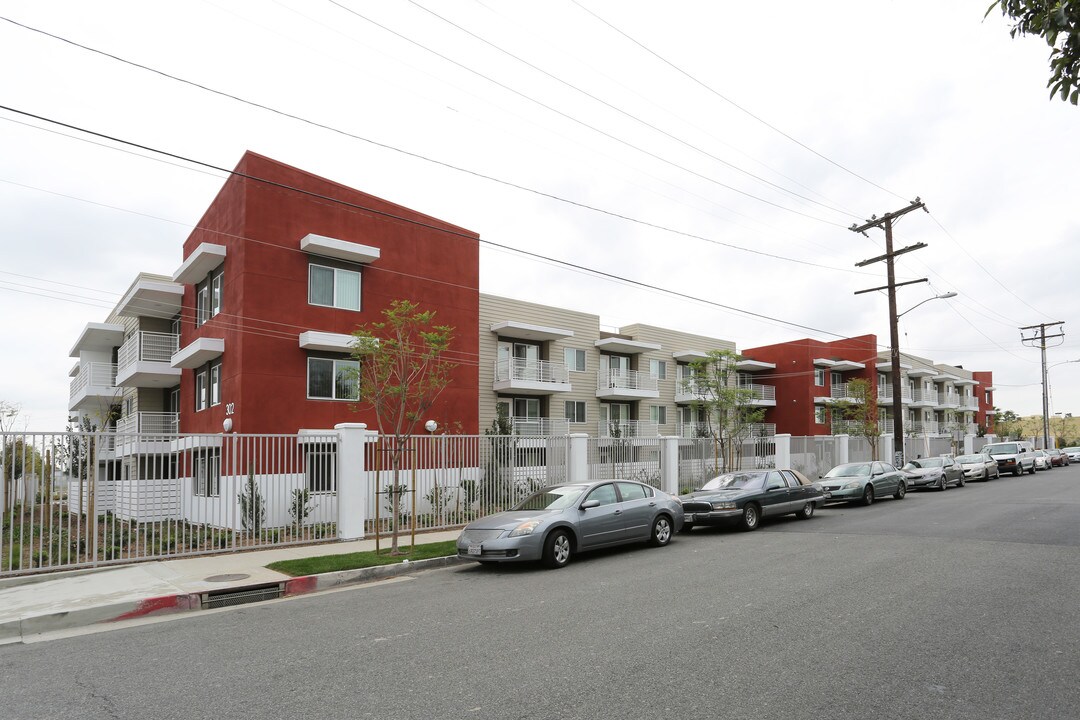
<point>215,384</point>
<point>819,415</point>
<point>575,411</point>
<point>819,377</point>
<point>658,414</point>
<point>207,472</point>
<point>215,295</point>
<point>658,369</point>
<point>575,359</point>
<point>333,287</point>
<point>208,298</point>
<point>333,379</point>
<point>202,305</point>
<point>320,467</point>
<point>201,399</point>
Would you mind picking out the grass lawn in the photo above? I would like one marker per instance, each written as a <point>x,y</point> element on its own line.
<point>352,561</point>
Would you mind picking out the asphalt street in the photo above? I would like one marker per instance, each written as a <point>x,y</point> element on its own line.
<point>955,604</point>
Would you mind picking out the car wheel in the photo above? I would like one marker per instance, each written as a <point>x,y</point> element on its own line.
<point>868,495</point>
<point>1018,471</point>
<point>557,549</point>
<point>901,490</point>
<point>806,512</point>
<point>960,481</point>
<point>751,516</point>
<point>687,527</point>
<point>1032,470</point>
<point>661,531</point>
<point>944,484</point>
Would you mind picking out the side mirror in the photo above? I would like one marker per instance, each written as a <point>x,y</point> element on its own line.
<point>590,504</point>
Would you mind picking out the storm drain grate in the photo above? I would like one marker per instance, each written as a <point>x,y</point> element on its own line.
<point>227,598</point>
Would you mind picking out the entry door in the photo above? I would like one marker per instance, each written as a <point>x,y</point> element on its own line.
<point>618,370</point>
<point>527,358</point>
<point>527,416</point>
<point>614,418</point>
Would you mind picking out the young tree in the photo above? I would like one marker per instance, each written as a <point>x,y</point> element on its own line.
<point>1007,424</point>
<point>861,412</point>
<point>1058,23</point>
<point>403,370</point>
<point>727,407</point>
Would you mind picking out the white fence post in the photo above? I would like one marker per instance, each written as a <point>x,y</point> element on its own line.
<point>669,465</point>
<point>842,452</point>
<point>577,469</point>
<point>969,444</point>
<point>783,451</point>
<point>352,480</point>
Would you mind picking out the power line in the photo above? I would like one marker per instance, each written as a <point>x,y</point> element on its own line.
<point>733,103</point>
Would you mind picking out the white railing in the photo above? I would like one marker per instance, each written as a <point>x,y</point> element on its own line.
<point>884,392</point>
<point>765,393</point>
<point>149,422</point>
<point>625,380</point>
<point>531,370</point>
<point>948,398</point>
<point>148,347</point>
<point>841,390</point>
<point>969,403</point>
<point>693,429</point>
<point>627,429</point>
<point>921,395</point>
<point>96,374</point>
<point>530,426</point>
<point>762,429</point>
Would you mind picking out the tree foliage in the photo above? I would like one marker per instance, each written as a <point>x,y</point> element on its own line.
<point>1007,424</point>
<point>403,370</point>
<point>727,408</point>
<point>860,412</point>
<point>1058,23</point>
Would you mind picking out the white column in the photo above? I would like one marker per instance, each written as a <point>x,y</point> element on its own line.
<point>669,465</point>
<point>783,451</point>
<point>969,444</point>
<point>842,452</point>
<point>578,467</point>
<point>352,479</point>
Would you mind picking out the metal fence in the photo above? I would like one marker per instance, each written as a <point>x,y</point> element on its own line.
<point>70,500</point>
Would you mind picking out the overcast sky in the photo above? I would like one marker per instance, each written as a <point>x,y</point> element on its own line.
<point>717,149</point>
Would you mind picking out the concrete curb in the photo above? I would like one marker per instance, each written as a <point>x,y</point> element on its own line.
<point>15,631</point>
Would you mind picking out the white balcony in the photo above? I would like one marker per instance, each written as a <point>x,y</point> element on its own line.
<point>145,360</point>
<point>152,423</point>
<point>841,391</point>
<point>885,394</point>
<point>625,385</point>
<point>924,398</point>
<point>537,426</point>
<point>969,403</point>
<point>531,377</point>
<point>693,429</point>
<point>761,395</point>
<point>628,429</point>
<point>689,390</point>
<point>94,388</point>
<point>948,400</point>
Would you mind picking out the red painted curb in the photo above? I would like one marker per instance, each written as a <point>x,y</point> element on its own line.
<point>301,585</point>
<point>161,606</point>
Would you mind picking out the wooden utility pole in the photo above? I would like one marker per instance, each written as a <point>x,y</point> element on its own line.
<point>886,221</point>
<point>1041,338</point>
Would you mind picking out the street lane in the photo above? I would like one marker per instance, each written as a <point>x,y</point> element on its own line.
<point>949,605</point>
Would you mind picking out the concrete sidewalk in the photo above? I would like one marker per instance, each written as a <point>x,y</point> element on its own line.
<point>32,605</point>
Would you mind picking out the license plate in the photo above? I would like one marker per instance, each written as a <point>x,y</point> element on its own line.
<point>476,549</point>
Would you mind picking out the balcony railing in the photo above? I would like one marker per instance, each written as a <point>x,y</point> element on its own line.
<point>153,423</point>
<point>94,374</point>
<point>537,426</point>
<point>969,403</point>
<point>531,370</point>
<point>948,398</point>
<point>921,395</point>
<point>701,429</point>
<point>884,392</point>
<point>628,429</point>
<point>765,393</point>
<point>841,391</point>
<point>148,347</point>
<point>625,380</point>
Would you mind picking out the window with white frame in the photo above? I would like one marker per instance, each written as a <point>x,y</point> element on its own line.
<point>201,397</point>
<point>575,359</point>
<point>215,294</point>
<point>215,384</point>
<point>658,369</point>
<point>819,415</point>
<point>333,287</point>
<point>202,305</point>
<point>658,414</point>
<point>320,467</point>
<point>819,377</point>
<point>208,297</point>
<point>575,411</point>
<point>206,472</point>
<point>332,379</point>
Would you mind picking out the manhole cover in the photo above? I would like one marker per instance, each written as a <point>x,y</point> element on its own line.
<point>227,578</point>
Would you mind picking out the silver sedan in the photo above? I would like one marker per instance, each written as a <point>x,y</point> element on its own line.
<point>559,521</point>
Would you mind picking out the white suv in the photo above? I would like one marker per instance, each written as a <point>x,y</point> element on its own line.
<point>1015,456</point>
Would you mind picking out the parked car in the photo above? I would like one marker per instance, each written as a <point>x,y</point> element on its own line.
<point>557,522</point>
<point>1042,460</point>
<point>1073,453</point>
<point>863,482</point>
<point>937,472</point>
<point>978,467</point>
<point>747,496</point>
<point>1057,458</point>
<point>1016,456</point>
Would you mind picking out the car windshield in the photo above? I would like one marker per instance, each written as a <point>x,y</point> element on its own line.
<point>971,459</point>
<point>552,498</point>
<point>1002,449</point>
<point>1070,449</point>
<point>928,463</point>
<point>852,470</point>
<point>735,480</point>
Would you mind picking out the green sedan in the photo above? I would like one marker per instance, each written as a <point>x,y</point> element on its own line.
<point>863,482</point>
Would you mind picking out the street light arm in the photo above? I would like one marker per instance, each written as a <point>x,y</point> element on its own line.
<point>945,296</point>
